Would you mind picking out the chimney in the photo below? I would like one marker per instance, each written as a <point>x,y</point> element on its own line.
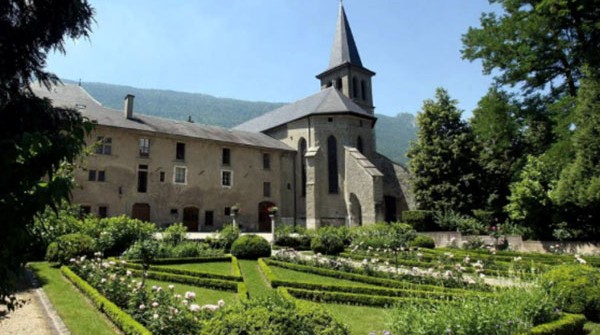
<point>129,106</point>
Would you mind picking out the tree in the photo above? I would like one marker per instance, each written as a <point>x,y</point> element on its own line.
<point>538,43</point>
<point>497,134</point>
<point>442,161</point>
<point>37,141</point>
<point>579,183</point>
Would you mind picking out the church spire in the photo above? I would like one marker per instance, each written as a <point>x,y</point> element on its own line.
<point>344,48</point>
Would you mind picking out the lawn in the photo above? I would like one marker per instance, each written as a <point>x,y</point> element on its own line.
<point>592,328</point>
<point>223,268</point>
<point>291,275</point>
<point>360,319</point>
<point>203,295</point>
<point>257,284</point>
<point>80,316</point>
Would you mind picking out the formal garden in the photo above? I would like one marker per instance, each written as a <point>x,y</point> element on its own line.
<point>118,275</point>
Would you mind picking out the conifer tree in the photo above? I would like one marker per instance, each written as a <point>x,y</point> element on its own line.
<point>442,162</point>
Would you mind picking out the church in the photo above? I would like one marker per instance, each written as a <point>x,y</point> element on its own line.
<point>314,160</point>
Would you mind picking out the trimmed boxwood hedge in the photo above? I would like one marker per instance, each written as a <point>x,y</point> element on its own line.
<point>124,321</point>
<point>216,284</point>
<point>161,261</point>
<point>185,272</point>
<point>242,292</point>
<point>235,265</point>
<point>568,324</point>
<point>355,299</point>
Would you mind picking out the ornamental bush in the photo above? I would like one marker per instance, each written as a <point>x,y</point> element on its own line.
<point>383,235</point>
<point>227,236</point>
<point>116,234</point>
<point>174,234</point>
<point>576,288</point>
<point>420,220</point>
<point>328,240</point>
<point>286,235</point>
<point>423,241</point>
<point>251,247</point>
<point>70,246</point>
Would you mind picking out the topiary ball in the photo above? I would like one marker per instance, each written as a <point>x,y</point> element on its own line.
<point>423,241</point>
<point>70,246</point>
<point>250,247</point>
<point>576,288</point>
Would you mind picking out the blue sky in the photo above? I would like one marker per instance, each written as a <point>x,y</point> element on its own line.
<point>271,50</point>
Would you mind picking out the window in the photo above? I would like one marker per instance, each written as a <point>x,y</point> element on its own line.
<point>227,211</point>
<point>209,218</point>
<point>267,189</point>
<point>180,151</point>
<point>354,87</point>
<point>302,149</point>
<point>332,165</point>
<point>226,156</point>
<point>226,178</point>
<point>144,147</point>
<point>180,175</point>
<point>142,185</point>
<point>162,176</point>
<point>92,175</point>
<point>101,176</point>
<point>363,89</point>
<point>174,212</point>
<point>85,210</point>
<point>330,119</point>
<point>338,84</point>
<point>104,145</point>
<point>359,145</point>
<point>266,161</point>
<point>102,211</point>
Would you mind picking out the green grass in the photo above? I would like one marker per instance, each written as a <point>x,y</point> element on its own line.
<point>592,328</point>
<point>203,295</point>
<point>223,268</point>
<point>360,319</point>
<point>254,279</point>
<point>291,275</point>
<point>80,316</point>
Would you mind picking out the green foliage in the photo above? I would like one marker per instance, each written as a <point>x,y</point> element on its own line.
<point>382,235</point>
<point>70,246</point>
<point>187,249</point>
<point>328,240</point>
<point>50,224</point>
<point>186,272</point>
<point>420,220</point>
<point>272,316</point>
<point>212,283</point>
<point>451,220</point>
<point>227,236</point>
<point>576,288</point>
<point>568,324</point>
<point>538,44</point>
<point>487,218</point>
<point>250,247</point>
<point>174,234</point>
<point>38,142</point>
<point>423,241</point>
<point>116,234</point>
<point>515,311</point>
<point>442,159</point>
<point>290,236</point>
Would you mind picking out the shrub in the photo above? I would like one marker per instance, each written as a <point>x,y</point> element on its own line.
<point>451,220</point>
<point>328,240</point>
<point>185,249</point>
<point>576,287</point>
<point>420,220</point>
<point>70,246</point>
<point>227,236</point>
<point>116,234</point>
<point>50,224</point>
<point>383,235</point>
<point>423,241</point>
<point>251,247</point>
<point>174,234</point>
<point>271,316</point>
<point>297,237</point>
<point>485,217</point>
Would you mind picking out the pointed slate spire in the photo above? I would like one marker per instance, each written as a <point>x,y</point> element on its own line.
<point>344,48</point>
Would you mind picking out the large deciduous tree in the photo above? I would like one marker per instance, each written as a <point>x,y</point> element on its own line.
<point>442,162</point>
<point>540,44</point>
<point>36,139</point>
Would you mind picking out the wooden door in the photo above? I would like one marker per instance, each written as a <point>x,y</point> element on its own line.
<point>264,221</point>
<point>190,218</point>
<point>141,212</point>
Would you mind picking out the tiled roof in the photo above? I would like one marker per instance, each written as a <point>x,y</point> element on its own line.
<point>73,96</point>
<point>344,48</point>
<point>327,101</point>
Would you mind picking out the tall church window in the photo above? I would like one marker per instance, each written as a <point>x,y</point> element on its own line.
<point>332,164</point>
<point>354,87</point>
<point>363,89</point>
<point>302,150</point>
<point>359,145</point>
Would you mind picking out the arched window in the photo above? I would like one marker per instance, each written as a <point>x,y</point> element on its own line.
<point>302,150</point>
<point>338,84</point>
<point>359,145</point>
<point>363,89</point>
<point>332,164</point>
<point>354,87</point>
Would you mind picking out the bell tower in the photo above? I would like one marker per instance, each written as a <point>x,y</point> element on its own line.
<point>345,70</point>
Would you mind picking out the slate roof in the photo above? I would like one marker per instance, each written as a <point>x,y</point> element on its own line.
<point>327,101</point>
<point>344,48</point>
<point>73,96</point>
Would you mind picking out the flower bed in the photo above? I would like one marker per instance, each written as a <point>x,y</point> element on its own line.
<point>191,273</point>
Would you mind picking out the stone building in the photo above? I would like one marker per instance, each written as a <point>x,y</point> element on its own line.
<point>314,159</point>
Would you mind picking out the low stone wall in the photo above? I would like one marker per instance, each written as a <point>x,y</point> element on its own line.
<point>516,243</point>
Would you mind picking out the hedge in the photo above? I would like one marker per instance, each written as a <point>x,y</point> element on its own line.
<point>550,259</point>
<point>352,298</point>
<point>235,265</point>
<point>216,284</point>
<point>420,220</point>
<point>242,291</point>
<point>357,277</point>
<point>121,319</point>
<point>568,324</point>
<point>160,261</point>
<point>191,273</point>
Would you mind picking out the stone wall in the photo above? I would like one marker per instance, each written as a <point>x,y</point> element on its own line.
<point>363,189</point>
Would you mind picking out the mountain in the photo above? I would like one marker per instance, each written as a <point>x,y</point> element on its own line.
<point>393,133</point>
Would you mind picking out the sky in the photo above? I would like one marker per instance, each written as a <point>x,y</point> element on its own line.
<point>271,50</point>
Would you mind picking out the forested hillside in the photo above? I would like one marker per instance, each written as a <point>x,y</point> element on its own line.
<point>393,133</point>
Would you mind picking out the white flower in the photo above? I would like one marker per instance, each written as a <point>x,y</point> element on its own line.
<point>155,316</point>
<point>142,307</point>
<point>185,302</point>
<point>128,273</point>
<point>517,259</point>
<point>72,260</point>
<point>103,280</point>
<point>190,295</point>
<point>155,304</point>
<point>171,287</point>
<point>467,259</point>
<point>481,275</point>
<point>365,261</point>
<point>194,307</point>
<point>221,303</point>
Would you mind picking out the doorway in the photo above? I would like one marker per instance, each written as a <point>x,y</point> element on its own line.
<point>141,212</point>
<point>190,218</point>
